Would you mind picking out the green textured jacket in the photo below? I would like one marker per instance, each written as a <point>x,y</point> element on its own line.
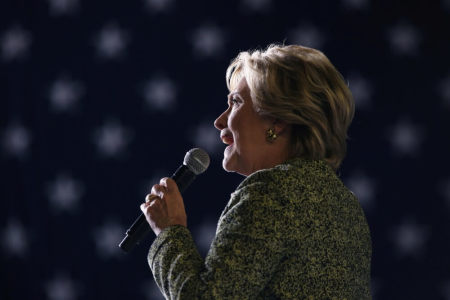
<point>290,232</point>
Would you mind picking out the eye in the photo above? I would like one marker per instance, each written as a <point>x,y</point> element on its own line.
<point>234,100</point>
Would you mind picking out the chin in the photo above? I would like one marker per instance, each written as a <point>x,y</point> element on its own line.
<point>232,167</point>
<point>226,165</point>
<point>232,162</point>
<point>229,164</point>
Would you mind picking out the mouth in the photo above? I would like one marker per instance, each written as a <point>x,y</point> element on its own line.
<point>227,139</point>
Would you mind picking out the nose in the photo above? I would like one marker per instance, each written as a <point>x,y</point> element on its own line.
<point>221,122</point>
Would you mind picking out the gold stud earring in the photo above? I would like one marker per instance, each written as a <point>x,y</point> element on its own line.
<point>271,136</point>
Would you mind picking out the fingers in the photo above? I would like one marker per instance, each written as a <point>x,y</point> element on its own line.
<point>158,190</point>
<point>157,197</point>
<point>165,193</point>
<point>150,198</point>
<point>166,186</point>
<point>154,203</point>
<point>170,184</point>
<point>164,206</point>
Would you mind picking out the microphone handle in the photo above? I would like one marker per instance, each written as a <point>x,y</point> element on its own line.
<point>140,228</point>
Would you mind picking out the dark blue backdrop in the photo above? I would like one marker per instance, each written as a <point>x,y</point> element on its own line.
<point>99,99</point>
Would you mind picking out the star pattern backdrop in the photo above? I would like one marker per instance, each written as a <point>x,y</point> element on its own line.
<point>100,99</point>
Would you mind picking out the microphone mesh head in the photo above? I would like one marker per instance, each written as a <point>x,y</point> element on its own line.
<point>197,160</point>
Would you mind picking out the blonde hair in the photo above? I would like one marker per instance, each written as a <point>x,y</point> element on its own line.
<point>301,87</point>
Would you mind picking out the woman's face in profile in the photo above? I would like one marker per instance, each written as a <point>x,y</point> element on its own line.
<point>244,131</point>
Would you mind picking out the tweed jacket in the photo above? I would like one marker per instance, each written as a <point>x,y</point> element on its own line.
<point>290,232</point>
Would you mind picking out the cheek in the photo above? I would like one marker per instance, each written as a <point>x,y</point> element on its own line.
<point>235,122</point>
<point>231,120</point>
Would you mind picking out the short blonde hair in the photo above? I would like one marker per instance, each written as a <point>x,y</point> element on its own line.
<point>301,87</point>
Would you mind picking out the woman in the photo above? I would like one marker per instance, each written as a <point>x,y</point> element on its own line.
<point>291,230</point>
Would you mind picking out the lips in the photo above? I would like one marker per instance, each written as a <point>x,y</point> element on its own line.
<point>227,138</point>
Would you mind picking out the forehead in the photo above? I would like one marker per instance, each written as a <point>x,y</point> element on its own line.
<point>241,87</point>
<point>235,78</point>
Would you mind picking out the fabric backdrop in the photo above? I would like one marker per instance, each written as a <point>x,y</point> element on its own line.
<point>100,99</point>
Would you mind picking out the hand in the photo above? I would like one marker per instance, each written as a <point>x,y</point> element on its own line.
<point>164,206</point>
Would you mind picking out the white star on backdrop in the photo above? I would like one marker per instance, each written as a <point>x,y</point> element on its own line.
<point>64,193</point>
<point>158,6</point>
<point>364,188</point>
<point>409,238</point>
<point>107,239</point>
<point>15,43</point>
<point>356,4</point>
<point>16,140</point>
<point>207,137</point>
<point>204,234</point>
<point>404,39</point>
<point>63,7</point>
<point>208,41</point>
<point>307,35</point>
<point>111,41</point>
<point>443,89</point>
<point>406,138</point>
<point>64,94</point>
<point>15,239</point>
<point>112,138</point>
<point>61,287</point>
<point>160,93</point>
<point>256,5</point>
<point>361,89</point>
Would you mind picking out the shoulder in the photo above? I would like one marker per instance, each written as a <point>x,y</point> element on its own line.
<point>296,186</point>
<point>262,185</point>
<point>271,189</point>
<point>291,175</point>
<point>275,196</point>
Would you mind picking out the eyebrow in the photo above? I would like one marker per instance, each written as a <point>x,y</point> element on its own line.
<point>232,94</point>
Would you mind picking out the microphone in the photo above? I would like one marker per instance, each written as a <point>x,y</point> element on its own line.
<point>196,161</point>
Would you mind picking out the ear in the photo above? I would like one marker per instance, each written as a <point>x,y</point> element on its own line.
<point>280,126</point>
